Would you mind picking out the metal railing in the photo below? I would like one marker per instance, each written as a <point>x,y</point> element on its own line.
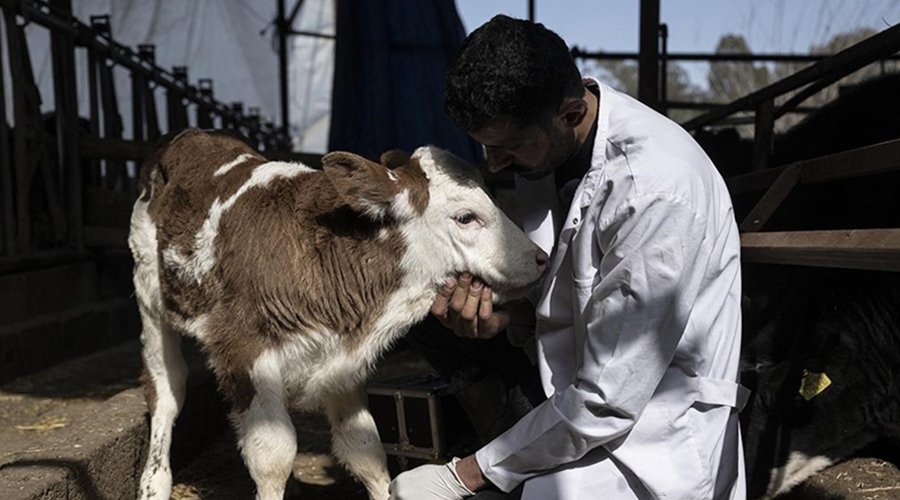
<point>47,163</point>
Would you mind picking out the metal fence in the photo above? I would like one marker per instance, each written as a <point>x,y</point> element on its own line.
<point>48,162</point>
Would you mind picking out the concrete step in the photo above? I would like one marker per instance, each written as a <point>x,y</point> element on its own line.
<point>43,341</point>
<point>57,312</point>
<point>35,292</point>
<point>79,429</point>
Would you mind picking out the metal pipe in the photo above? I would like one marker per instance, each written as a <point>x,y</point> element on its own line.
<point>281,25</point>
<point>648,57</point>
<point>579,53</point>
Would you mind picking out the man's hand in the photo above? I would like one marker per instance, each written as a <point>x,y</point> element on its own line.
<point>466,306</point>
<point>435,482</point>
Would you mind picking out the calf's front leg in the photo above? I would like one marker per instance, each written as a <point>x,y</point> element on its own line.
<point>356,442</point>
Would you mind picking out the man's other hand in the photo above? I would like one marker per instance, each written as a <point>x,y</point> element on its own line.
<point>430,482</point>
<point>466,306</point>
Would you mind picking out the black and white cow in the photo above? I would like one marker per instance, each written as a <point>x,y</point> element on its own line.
<point>823,359</point>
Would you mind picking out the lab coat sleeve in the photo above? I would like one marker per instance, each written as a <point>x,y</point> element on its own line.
<point>638,305</point>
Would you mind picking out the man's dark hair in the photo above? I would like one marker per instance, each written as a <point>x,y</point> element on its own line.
<point>510,67</point>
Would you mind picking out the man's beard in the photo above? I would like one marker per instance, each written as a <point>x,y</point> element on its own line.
<point>561,152</point>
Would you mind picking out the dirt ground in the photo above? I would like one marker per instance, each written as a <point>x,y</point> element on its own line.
<point>220,474</point>
<point>862,478</point>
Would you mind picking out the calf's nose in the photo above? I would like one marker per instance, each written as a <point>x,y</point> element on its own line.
<point>541,258</point>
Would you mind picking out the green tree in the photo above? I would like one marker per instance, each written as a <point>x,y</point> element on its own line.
<point>730,80</point>
<point>623,75</point>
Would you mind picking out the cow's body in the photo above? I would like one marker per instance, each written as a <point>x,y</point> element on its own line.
<point>295,281</point>
<point>805,325</point>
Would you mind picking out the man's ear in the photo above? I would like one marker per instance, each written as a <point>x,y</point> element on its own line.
<point>572,111</point>
<point>394,158</point>
<point>364,185</point>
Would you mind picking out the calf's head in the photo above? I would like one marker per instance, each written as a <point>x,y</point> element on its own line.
<point>449,222</point>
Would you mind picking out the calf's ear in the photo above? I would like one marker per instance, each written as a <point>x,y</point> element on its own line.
<point>364,185</point>
<point>394,158</point>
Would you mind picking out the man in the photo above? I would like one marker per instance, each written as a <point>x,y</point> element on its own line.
<point>638,320</point>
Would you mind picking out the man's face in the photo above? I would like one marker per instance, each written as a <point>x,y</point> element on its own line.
<point>532,151</point>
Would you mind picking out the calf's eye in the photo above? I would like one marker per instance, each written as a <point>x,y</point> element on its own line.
<point>466,218</point>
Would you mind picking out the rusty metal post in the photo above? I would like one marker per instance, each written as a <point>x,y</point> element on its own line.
<point>176,108</point>
<point>663,69</point>
<point>6,175</point>
<point>283,28</point>
<point>109,104</point>
<point>147,53</point>
<point>204,114</point>
<point>763,135</point>
<point>238,109</point>
<point>648,58</point>
<point>23,93</point>
<point>93,166</point>
<point>66,98</point>
<point>137,106</point>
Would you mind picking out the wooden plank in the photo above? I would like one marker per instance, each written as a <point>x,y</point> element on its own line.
<point>770,201</point>
<point>867,160</point>
<point>871,249</point>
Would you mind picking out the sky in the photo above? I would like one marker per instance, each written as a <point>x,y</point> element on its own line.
<point>791,26</point>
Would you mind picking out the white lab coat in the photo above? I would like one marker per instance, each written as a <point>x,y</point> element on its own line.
<point>638,330</point>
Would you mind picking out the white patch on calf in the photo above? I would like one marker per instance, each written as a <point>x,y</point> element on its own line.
<point>495,250</point>
<point>233,163</point>
<point>798,468</point>
<point>401,207</point>
<point>195,267</point>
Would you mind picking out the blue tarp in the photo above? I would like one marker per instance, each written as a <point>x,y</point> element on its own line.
<point>391,59</point>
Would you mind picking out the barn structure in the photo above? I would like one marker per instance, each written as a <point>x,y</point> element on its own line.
<point>817,208</point>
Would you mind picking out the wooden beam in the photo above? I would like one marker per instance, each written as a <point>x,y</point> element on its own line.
<point>867,160</point>
<point>770,201</point>
<point>871,249</point>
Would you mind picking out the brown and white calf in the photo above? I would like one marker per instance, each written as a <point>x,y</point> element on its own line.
<point>294,281</point>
